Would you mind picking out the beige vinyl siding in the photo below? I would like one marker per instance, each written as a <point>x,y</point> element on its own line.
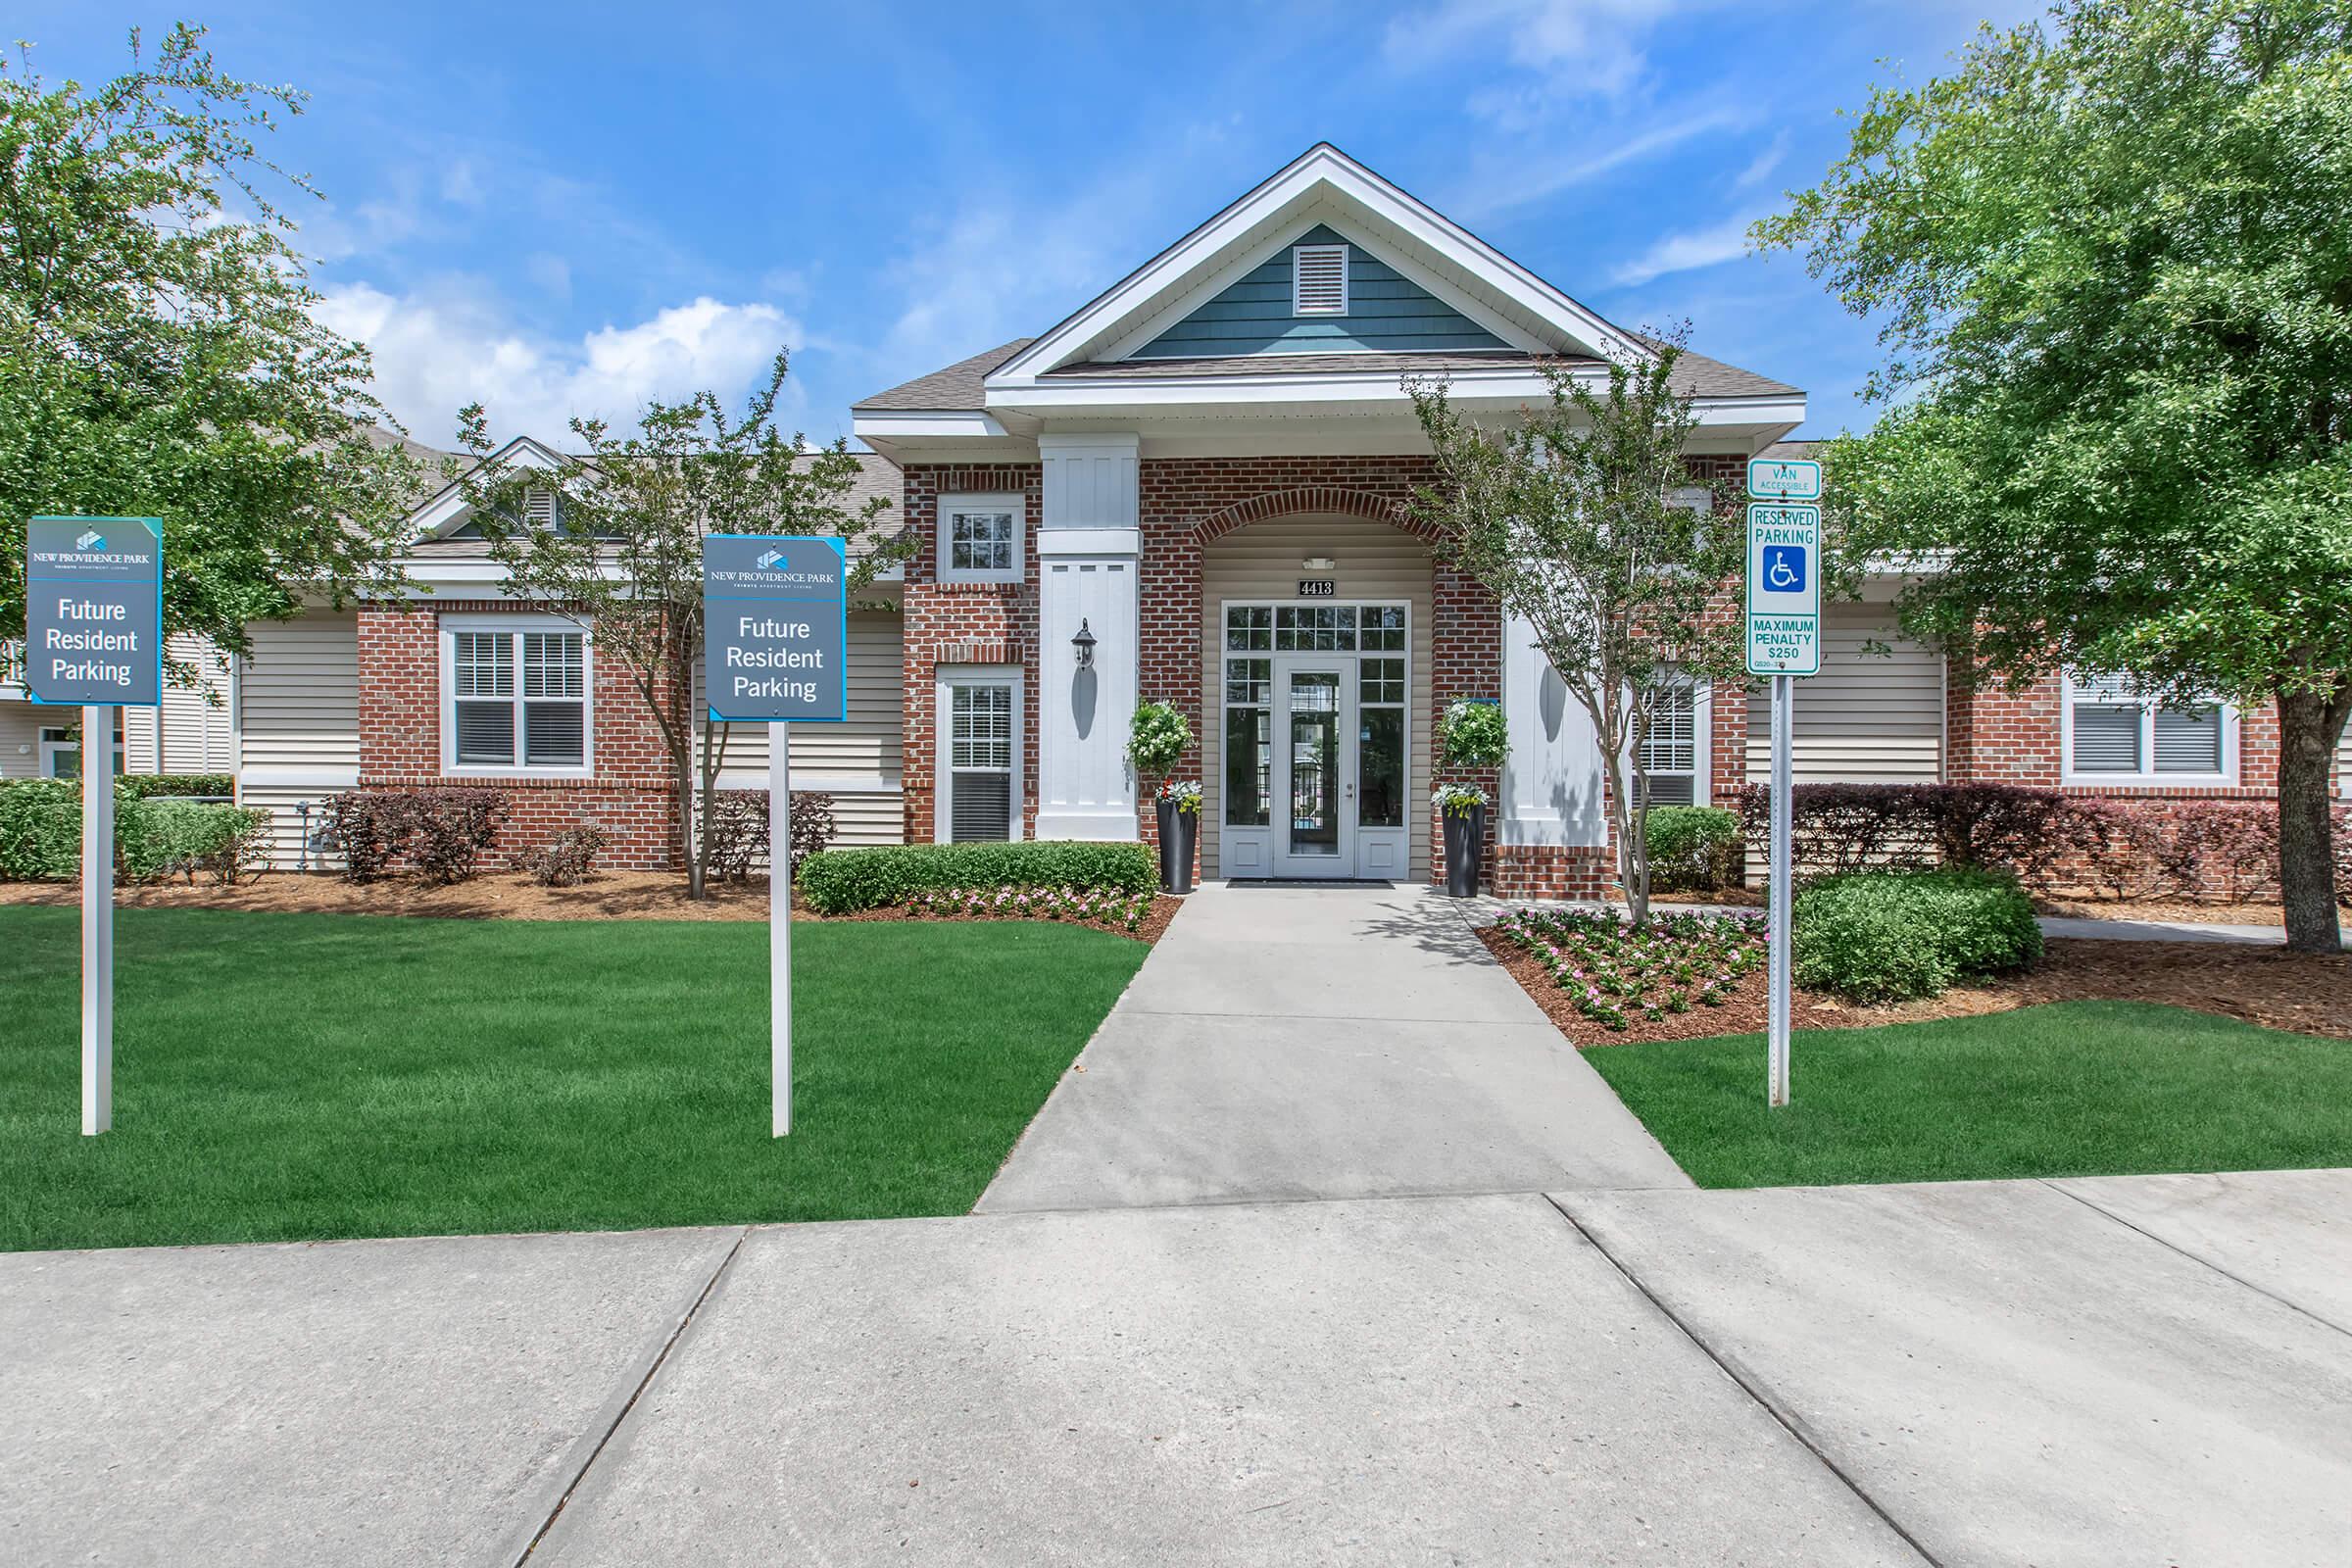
<point>20,726</point>
<point>866,747</point>
<point>1375,563</point>
<point>2343,764</point>
<point>1866,718</point>
<point>191,731</point>
<point>298,720</point>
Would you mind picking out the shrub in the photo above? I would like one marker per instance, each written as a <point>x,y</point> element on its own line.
<point>1612,970</point>
<point>845,881</point>
<point>40,830</point>
<point>1694,848</point>
<point>449,828</point>
<point>1115,906</point>
<point>739,830</point>
<point>154,786</point>
<point>2227,846</point>
<point>565,860</point>
<point>1472,734</point>
<point>441,832</point>
<point>1887,936</point>
<point>163,836</point>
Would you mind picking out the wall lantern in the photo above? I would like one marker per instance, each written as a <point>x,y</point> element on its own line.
<point>1083,642</point>
<point>1318,564</point>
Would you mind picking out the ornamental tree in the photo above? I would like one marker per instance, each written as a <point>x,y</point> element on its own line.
<point>158,352</point>
<point>1574,515</point>
<point>2110,259</point>
<point>613,538</point>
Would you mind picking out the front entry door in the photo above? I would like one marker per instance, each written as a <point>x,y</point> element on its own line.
<point>1314,787</point>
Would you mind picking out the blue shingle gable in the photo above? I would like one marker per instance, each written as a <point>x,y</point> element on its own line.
<point>1387,314</point>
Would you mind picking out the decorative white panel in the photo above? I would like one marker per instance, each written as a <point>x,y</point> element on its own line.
<point>1090,479</point>
<point>1552,781</point>
<point>1084,787</point>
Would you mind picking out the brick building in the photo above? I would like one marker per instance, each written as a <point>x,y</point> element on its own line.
<point>1200,477</point>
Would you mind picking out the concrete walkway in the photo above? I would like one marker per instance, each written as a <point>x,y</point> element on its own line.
<point>1323,1042</point>
<point>2134,1370</point>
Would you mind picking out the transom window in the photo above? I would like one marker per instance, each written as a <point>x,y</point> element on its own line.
<point>517,700</point>
<point>1314,628</point>
<point>980,538</point>
<point>2116,735</point>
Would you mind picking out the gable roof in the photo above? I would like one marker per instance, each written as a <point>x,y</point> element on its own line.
<point>955,388</point>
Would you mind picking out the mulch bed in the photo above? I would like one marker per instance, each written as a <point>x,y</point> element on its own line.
<point>2305,992</point>
<point>497,896</point>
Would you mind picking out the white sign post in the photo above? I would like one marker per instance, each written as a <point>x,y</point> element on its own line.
<point>1784,641</point>
<point>94,640</point>
<point>775,649</point>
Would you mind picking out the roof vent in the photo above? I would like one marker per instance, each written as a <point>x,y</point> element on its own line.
<point>1318,280</point>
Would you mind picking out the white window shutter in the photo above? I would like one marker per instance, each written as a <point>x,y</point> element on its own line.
<point>1319,281</point>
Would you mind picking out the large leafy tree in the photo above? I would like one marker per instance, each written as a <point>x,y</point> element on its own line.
<point>2111,257</point>
<point>158,352</point>
<point>614,538</point>
<point>1575,515</point>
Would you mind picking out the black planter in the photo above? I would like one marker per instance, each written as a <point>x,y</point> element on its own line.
<point>1177,831</point>
<point>1465,844</point>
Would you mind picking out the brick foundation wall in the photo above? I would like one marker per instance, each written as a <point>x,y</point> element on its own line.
<point>631,795</point>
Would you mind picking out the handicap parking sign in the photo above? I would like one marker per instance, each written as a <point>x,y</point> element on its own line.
<point>1785,568</point>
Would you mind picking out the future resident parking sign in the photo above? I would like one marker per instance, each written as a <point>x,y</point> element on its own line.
<point>93,611</point>
<point>775,629</point>
<point>1784,589</point>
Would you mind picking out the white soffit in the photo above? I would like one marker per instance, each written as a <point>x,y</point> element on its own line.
<point>448,509</point>
<point>1323,185</point>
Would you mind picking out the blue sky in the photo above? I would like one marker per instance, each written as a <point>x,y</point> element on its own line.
<point>568,209</point>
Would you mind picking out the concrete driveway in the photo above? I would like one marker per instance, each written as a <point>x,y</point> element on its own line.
<point>1323,1042</point>
<point>2130,1371</point>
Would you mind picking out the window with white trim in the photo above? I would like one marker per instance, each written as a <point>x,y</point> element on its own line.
<point>1318,280</point>
<point>514,699</point>
<point>980,538</point>
<point>980,737</point>
<point>2116,736</point>
<point>1670,746</point>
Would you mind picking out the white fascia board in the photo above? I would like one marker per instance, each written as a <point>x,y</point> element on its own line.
<point>470,572</point>
<point>933,424</point>
<point>1108,395</point>
<point>1322,166</point>
<point>447,510</point>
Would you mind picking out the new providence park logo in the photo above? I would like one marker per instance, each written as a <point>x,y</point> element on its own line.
<point>91,540</point>
<point>767,560</point>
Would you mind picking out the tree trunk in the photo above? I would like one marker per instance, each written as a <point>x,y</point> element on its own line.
<point>2310,727</point>
<point>687,825</point>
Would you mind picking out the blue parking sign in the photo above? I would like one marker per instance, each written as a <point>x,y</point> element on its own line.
<point>775,628</point>
<point>94,612</point>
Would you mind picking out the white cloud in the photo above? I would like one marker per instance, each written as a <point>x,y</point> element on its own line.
<point>1764,161</point>
<point>1686,251</point>
<point>436,352</point>
<point>1502,182</point>
<point>1591,46</point>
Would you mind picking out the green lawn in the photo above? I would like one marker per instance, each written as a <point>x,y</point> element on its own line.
<point>281,1076</point>
<point>2070,1089</point>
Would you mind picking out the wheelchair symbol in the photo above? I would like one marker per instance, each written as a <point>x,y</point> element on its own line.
<point>1785,568</point>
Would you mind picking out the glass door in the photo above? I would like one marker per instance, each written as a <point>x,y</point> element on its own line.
<point>1316,792</point>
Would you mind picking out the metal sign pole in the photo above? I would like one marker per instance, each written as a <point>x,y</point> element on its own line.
<point>780,926</point>
<point>97,920</point>
<point>1784,720</point>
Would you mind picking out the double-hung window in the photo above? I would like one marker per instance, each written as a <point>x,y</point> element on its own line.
<point>980,734</point>
<point>2116,736</point>
<point>515,697</point>
<point>980,538</point>
<point>1669,745</point>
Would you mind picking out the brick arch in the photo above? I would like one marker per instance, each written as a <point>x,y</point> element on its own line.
<point>1322,501</point>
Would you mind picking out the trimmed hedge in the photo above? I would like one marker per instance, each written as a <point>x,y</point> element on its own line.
<point>151,786</point>
<point>1890,936</point>
<point>40,834</point>
<point>845,881</point>
<point>1694,848</point>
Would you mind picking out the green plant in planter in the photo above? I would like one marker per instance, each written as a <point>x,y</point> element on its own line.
<point>1183,794</point>
<point>1457,799</point>
<point>1472,735</point>
<point>1160,736</point>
